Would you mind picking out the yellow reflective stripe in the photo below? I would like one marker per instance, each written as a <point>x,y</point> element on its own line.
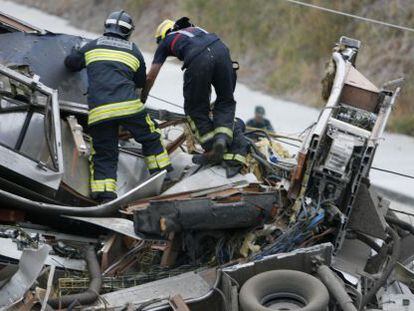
<point>112,55</point>
<point>240,158</point>
<point>206,137</point>
<point>115,110</point>
<point>224,130</point>
<point>235,157</point>
<point>210,135</point>
<point>192,124</point>
<point>151,162</point>
<point>102,57</point>
<point>163,159</point>
<point>102,185</point>
<point>201,138</point>
<point>150,123</point>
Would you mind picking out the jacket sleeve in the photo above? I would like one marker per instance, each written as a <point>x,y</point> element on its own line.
<point>140,75</point>
<point>75,61</point>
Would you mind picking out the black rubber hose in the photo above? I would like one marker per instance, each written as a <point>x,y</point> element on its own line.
<point>368,241</point>
<point>336,288</point>
<point>396,249</point>
<point>400,223</point>
<point>92,293</point>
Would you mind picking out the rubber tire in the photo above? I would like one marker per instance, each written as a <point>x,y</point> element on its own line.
<point>299,283</point>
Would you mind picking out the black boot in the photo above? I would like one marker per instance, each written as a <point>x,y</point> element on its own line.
<point>232,168</point>
<point>219,149</point>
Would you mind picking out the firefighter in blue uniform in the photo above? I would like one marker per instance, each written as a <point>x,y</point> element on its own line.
<point>207,62</point>
<point>115,69</point>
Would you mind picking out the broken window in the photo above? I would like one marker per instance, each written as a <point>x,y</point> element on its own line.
<point>26,122</point>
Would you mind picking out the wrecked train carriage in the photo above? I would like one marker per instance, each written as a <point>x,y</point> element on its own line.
<point>35,118</point>
<point>329,201</point>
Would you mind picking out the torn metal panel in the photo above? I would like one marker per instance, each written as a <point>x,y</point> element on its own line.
<point>9,249</point>
<point>30,265</point>
<point>189,285</point>
<point>351,259</point>
<point>35,158</point>
<point>150,187</point>
<point>131,172</point>
<point>396,297</point>
<point>209,178</point>
<point>44,54</point>
<point>368,213</point>
<point>120,225</point>
<point>11,24</point>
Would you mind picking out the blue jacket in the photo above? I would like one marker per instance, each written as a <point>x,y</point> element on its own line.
<point>185,44</point>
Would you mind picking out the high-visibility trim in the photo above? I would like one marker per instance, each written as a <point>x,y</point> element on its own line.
<point>206,137</point>
<point>151,162</point>
<point>235,157</point>
<point>126,58</point>
<point>159,161</point>
<point>115,110</point>
<point>210,135</point>
<point>186,33</point>
<point>163,160</point>
<point>224,130</point>
<point>113,21</point>
<point>100,185</point>
<point>201,138</point>
<point>103,185</point>
<point>150,123</point>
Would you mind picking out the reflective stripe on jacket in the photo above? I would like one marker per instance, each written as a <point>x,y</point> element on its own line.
<point>115,69</point>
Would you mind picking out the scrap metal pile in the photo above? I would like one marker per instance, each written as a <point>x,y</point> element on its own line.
<point>299,229</point>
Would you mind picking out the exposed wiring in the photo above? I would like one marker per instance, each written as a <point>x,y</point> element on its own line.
<point>365,19</point>
<point>266,133</point>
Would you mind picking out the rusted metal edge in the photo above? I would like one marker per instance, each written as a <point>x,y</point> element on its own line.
<point>19,25</point>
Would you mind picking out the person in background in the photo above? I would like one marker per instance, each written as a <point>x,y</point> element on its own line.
<point>259,121</point>
<point>115,69</point>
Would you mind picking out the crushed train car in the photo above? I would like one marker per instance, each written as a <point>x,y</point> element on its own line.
<point>300,231</point>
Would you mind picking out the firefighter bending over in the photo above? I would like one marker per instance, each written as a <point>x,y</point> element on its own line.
<point>115,68</point>
<point>206,61</point>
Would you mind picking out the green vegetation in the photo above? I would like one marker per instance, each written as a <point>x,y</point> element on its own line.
<point>282,47</point>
